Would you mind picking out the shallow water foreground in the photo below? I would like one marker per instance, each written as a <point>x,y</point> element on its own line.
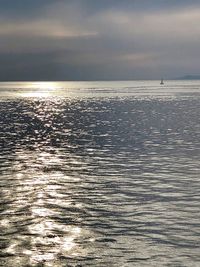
<point>100,177</point>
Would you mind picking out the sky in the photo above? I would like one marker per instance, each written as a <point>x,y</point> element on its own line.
<point>98,39</point>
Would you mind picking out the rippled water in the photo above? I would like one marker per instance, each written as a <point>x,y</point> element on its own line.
<point>100,174</point>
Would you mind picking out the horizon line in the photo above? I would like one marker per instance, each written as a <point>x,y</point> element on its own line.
<point>115,80</point>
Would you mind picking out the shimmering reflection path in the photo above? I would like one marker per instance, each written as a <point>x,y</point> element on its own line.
<point>100,182</point>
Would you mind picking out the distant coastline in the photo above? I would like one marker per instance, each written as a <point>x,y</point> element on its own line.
<point>189,77</point>
<point>185,77</point>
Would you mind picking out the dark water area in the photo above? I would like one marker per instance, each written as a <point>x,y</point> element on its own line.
<point>100,181</point>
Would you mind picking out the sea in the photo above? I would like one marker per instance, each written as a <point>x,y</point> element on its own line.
<point>102,174</point>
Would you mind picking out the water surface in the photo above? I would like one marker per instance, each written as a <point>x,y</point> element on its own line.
<point>100,174</point>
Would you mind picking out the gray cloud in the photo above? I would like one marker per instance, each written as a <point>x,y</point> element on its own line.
<point>99,40</point>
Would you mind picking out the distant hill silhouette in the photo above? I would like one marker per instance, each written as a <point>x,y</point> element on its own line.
<point>189,77</point>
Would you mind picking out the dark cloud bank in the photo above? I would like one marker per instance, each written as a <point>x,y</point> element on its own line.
<point>98,40</point>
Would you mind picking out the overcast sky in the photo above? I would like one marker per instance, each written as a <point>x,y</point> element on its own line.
<point>98,39</point>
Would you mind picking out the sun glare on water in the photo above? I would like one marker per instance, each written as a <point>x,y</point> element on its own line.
<point>40,89</point>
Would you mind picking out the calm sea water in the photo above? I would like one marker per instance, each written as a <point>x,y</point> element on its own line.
<point>100,174</point>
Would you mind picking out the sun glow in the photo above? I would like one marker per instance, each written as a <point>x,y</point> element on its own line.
<point>44,85</point>
<point>40,89</point>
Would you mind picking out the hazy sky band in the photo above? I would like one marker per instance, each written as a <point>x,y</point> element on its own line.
<point>98,40</point>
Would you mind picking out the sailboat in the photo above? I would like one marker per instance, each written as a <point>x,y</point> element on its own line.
<point>161,82</point>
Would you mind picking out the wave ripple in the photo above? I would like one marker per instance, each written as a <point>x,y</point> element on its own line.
<point>99,182</point>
